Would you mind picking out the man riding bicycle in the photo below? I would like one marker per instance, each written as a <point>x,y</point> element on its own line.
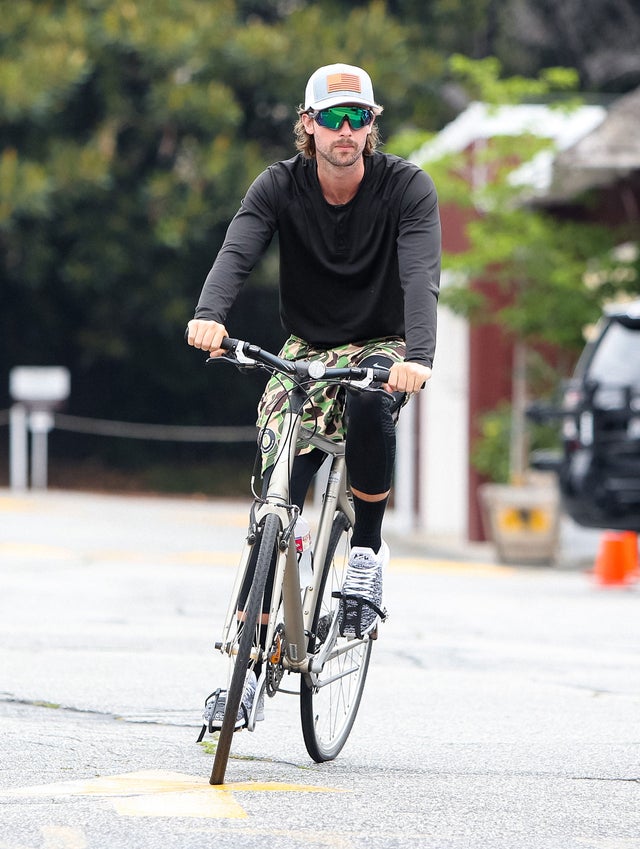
<point>359,243</point>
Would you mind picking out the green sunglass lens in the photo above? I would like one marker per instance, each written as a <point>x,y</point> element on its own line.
<point>333,117</point>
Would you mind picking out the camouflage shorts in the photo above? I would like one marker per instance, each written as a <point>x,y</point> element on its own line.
<point>324,413</point>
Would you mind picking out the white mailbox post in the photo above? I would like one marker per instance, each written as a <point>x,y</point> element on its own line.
<point>37,391</point>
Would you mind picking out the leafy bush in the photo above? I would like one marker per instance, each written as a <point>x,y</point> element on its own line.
<point>490,454</point>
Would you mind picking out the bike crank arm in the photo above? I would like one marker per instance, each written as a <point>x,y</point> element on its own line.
<point>319,684</point>
<point>317,663</point>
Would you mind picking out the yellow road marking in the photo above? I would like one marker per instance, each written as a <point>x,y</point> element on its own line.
<point>16,505</point>
<point>232,558</point>
<point>29,549</point>
<point>424,564</point>
<point>208,558</point>
<point>34,549</point>
<point>214,558</point>
<point>277,787</point>
<point>236,519</point>
<point>159,793</point>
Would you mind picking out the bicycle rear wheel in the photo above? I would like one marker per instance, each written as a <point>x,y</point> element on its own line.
<point>248,644</point>
<point>328,709</point>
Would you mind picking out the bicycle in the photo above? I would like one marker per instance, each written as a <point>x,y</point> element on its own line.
<point>300,625</point>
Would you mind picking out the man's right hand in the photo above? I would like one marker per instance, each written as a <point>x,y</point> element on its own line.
<point>207,335</point>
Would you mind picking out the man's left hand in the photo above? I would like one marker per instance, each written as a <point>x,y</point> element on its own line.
<point>407,377</point>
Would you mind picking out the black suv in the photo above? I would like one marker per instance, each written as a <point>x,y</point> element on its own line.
<point>599,467</point>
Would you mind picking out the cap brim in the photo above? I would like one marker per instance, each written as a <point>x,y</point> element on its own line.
<point>341,98</point>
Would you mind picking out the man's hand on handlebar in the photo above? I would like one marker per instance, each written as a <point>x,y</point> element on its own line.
<point>207,335</point>
<point>407,377</point>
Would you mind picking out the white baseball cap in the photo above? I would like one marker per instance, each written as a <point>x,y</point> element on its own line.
<point>334,84</point>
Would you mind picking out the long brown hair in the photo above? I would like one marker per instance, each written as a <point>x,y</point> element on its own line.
<point>306,143</point>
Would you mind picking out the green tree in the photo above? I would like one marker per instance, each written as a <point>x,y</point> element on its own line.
<point>118,159</point>
<point>129,130</point>
<point>558,270</point>
<point>544,265</point>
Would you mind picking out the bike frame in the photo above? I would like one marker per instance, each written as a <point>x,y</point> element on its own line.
<point>290,613</point>
<point>297,609</point>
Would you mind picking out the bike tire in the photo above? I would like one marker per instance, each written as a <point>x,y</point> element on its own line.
<point>327,713</point>
<point>247,641</point>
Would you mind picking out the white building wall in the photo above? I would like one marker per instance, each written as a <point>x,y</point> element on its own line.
<point>431,476</point>
<point>444,443</point>
<point>404,514</point>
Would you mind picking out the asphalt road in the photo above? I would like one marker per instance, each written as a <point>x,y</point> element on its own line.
<point>502,707</point>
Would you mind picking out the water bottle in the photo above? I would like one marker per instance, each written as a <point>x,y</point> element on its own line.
<point>302,533</point>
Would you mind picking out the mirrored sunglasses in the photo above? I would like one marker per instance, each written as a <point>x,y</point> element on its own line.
<point>333,118</point>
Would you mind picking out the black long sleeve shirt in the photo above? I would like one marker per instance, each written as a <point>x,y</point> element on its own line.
<point>364,270</point>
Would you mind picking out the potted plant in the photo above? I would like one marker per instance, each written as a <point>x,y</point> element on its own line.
<point>521,519</point>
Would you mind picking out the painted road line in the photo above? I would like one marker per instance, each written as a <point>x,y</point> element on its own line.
<point>35,549</point>
<point>232,558</point>
<point>215,518</point>
<point>160,793</point>
<point>16,505</point>
<point>426,564</point>
<point>129,555</point>
<point>126,555</point>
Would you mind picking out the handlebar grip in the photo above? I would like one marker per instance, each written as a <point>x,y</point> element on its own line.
<point>378,374</point>
<point>381,375</point>
<point>227,343</point>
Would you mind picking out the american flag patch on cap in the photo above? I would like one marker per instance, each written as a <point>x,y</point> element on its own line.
<point>343,82</point>
<point>338,83</point>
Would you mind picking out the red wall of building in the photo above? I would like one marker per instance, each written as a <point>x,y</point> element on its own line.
<point>490,361</point>
<point>490,358</point>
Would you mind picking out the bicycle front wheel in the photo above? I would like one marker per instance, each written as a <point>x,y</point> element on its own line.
<point>248,645</point>
<point>329,706</point>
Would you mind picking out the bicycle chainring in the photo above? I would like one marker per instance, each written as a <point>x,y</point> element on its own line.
<point>275,669</point>
<point>274,677</point>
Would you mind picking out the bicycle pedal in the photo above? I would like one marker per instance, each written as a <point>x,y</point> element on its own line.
<point>323,627</point>
<point>353,610</point>
<point>210,704</point>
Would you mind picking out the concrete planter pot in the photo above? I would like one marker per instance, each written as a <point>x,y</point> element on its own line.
<point>521,521</point>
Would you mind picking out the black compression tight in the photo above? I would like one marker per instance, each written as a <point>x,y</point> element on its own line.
<point>370,455</point>
<point>370,443</point>
<point>371,435</point>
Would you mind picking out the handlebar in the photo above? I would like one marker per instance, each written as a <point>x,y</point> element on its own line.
<point>246,354</point>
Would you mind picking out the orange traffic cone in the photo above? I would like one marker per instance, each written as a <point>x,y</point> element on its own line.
<point>612,563</point>
<point>630,540</point>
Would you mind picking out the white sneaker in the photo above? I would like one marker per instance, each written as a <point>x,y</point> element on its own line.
<point>361,600</point>
<point>215,705</point>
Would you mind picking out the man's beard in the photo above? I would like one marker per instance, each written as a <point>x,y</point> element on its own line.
<point>341,158</point>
